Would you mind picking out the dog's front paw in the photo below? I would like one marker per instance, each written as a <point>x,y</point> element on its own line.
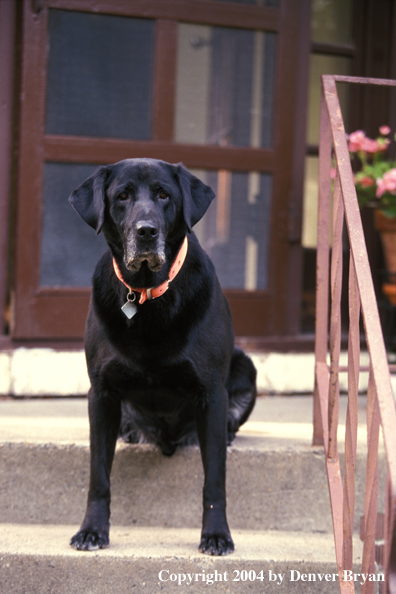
<point>216,544</point>
<point>90,540</point>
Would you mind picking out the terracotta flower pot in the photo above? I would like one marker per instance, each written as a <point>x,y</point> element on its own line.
<point>387,230</point>
<point>389,290</point>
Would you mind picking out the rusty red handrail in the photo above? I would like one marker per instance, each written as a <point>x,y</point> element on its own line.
<point>381,409</point>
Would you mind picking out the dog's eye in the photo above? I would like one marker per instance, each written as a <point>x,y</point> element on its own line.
<point>162,195</point>
<point>123,196</point>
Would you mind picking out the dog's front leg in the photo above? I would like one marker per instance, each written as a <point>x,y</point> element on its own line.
<point>211,418</point>
<point>104,419</point>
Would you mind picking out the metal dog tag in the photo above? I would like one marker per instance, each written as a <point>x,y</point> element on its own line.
<point>130,308</point>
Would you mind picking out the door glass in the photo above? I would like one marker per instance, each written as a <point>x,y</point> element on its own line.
<point>320,64</point>
<point>100,71</point>
<point>69,247</point>
<point>331,21</point>
<point>310,207</point>
<point>235,229</point>
<point>225,86</point>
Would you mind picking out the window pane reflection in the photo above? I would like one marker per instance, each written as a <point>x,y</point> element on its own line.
<point>225,86</point>
<point>310,208</point>
<point>235,229</point>
<point>319,65</point>
<point>332,21</point>
<point>69,247</point>
<point>100,71</point>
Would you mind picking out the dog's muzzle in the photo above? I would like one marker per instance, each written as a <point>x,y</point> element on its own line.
<point>146,243</point>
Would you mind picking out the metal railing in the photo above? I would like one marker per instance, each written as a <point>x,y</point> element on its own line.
<point>381,410</point>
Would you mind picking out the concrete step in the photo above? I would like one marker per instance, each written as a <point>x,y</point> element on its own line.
<point>152,560</point>
<point>277,490</point>
<point>278,507</point>
<point>276,479</point>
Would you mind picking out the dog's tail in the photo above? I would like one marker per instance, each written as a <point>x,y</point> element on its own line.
<point>241,387</point>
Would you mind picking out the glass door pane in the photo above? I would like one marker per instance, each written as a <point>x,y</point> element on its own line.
<point>69,247</point>
<point>100,74</point>
<point>331,21</point>
<point>320,64</point>
<point>225,86</point>
<point>235,230</point>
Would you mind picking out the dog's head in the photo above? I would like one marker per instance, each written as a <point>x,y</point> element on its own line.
<point>140,204</point>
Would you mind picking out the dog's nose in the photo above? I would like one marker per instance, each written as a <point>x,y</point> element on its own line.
<point>146,231</point>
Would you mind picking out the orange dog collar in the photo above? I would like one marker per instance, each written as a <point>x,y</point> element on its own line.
<point>152,292</point>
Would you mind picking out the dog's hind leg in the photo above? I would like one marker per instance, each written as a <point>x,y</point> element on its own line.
<point>241,387</point>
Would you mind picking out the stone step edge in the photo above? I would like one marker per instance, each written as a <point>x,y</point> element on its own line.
<point>38,558</point>
<point>167,543</point>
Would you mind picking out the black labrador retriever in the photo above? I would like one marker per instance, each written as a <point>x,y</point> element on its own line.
<point>159,338</point>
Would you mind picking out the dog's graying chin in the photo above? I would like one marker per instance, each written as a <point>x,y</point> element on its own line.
<point>134,258</point>
<point>154,262</point>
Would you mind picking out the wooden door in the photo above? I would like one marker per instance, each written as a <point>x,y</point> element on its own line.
<point>217,85</point>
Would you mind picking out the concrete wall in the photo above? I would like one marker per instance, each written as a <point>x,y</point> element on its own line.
<point>46,372</point>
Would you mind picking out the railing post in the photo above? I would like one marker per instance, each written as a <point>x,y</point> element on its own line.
<point>352,415</point>
<point>322,266</point>
<point>371,487</point>
<point>335,319</point>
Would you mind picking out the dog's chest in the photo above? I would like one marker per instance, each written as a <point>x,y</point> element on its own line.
<point>143,378</point>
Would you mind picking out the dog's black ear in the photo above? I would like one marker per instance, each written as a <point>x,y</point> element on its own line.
<point>88,200</point>
<point>196,196</point>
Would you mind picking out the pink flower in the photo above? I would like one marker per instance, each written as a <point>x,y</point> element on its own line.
<point>387,183</point>
<point>356,140</point>
<point>359,142</point>
<point>370,146</point>
<point>385,130</point>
